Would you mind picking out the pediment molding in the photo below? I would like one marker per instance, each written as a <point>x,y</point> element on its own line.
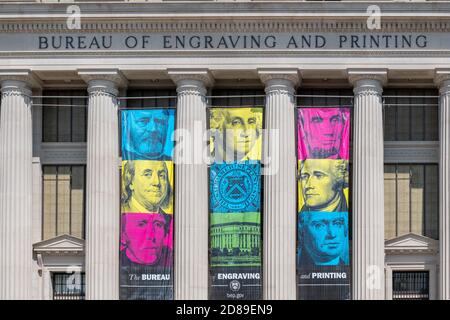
<point>411,244</point>
<point>60,245</point>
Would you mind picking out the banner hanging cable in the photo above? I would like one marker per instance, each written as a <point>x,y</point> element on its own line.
<point>212,96</point>
<point>350,105</point>
<point>208,107</point>
<point>59,105</point>
<point>235,96</point>
<point>243,106</point>
<point>412,104</point>
<point>324,106</point>
<point>146,108</point>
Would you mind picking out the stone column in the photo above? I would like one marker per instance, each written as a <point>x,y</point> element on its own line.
<point>280,185</point>
<point>442,80</point>
<point>368,184</point>
<point>102,185</point>
<point>191,185</point>
<point>16,142</point>
<point>36,233</point>
<point>37,166</point>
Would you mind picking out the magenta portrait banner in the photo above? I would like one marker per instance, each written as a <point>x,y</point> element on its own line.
<point>323,248</point>
<point>323,133</point>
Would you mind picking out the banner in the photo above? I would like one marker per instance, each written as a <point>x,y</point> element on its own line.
<point>323,253</point>
<point>146,238</point>
<point>235,203</point>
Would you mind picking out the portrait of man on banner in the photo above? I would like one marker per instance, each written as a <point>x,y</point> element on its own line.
<point>323,239</point>
<point>323,133</point>
<point>146,240</point>
<point>147,186</point>
<point>323,185</point>
<point>236,134</point>
<point>147,134</point>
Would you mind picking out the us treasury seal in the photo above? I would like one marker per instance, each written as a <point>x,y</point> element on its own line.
<point>235,187</point>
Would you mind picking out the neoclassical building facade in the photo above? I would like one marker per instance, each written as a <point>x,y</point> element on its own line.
<point>63,84</point>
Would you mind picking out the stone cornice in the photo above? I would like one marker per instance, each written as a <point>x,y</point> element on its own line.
<point>202,75</point>
<point>213,9</point>
<point>332,53</point>
<point>224,16</point>
<point>113,75</point>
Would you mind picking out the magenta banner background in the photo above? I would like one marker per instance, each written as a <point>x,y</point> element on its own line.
<point>319,130</point>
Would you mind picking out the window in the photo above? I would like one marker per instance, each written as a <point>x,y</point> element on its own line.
<point>411,199</point>
<point>64,201</point>
<point>64,116</point>
<point>67,286</point>
<point>325,97</point>
<point>411,177</point>
<point>237,97</point>
<point>411,285</point>
<point>151,102</point>
<point>411,115</point>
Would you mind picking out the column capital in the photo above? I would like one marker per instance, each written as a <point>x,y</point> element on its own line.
<point>367,79</point>
<point>281,81</point>
<point>107,80</point>
<point>191,81</point>
<point>201,77</point>
<point>19,79</point>
<point>268,76</point>
<point>442,80</point>
<point>355,75</point>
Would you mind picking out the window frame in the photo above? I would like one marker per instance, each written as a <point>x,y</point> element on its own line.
<point>407,295</point>
<point>395,98</point>
<point>83,232</point>
<point>81,296</point>
<point>424,225</point>
<point>54,94</point>
<point>411,152</point>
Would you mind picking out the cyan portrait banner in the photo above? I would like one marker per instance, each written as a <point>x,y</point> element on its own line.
<point>323,253</point>
<point>146,238</point>
<point>235,203</point>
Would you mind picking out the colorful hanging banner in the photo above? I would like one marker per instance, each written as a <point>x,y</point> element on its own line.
<point>235,203</point>
<point>323,253</point>
<point>146,238</point>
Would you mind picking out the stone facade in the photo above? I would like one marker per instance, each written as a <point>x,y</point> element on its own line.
<point>195,48</point>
